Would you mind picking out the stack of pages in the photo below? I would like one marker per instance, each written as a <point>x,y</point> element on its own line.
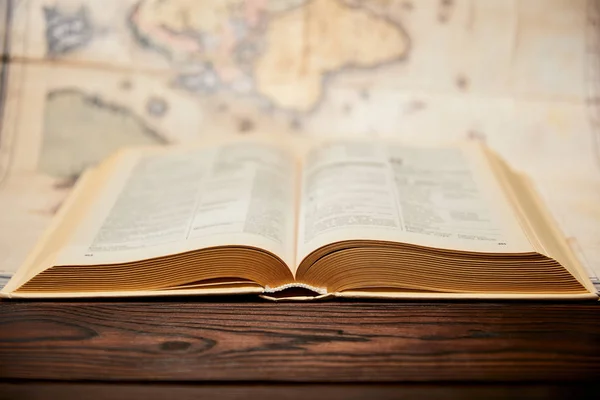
<point>297,220</point>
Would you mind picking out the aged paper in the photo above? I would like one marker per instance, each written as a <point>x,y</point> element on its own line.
<point>443,197</point>
<point>161,202</point>
<point>83,78</point>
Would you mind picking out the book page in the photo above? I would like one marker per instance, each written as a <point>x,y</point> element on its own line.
<point>169,201</point>
<point>444,197</point>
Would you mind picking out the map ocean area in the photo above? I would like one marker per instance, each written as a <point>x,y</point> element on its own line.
<point>85,78</point>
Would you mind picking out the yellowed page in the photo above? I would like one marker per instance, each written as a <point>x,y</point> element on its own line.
<point>56,235</point>
<point>166,201</point>
<point>444,197</point>
<point>136,206</point>
<point>541,228</point>
<point>204,291</point>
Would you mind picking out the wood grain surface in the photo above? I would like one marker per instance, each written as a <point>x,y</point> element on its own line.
<point>246,340</point>
<point>186,391</point>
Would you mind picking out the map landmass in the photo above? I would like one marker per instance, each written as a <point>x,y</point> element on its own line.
<point>284,55</point>
<point>100,129</point>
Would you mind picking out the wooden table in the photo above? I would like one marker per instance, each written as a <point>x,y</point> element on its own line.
<point>242,346</point>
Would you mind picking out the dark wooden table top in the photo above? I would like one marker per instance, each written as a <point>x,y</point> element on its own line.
<point>244,346</point>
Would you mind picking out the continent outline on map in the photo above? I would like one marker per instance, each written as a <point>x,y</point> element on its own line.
<point>325,77</point>
<point>206,76</point>
<point>52,160</point>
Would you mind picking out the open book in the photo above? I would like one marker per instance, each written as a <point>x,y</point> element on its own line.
<point>291,219</point>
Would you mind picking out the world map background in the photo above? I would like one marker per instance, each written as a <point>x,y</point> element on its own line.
<point>82,78</point>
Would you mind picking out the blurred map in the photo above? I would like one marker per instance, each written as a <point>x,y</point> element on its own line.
<point>81,78</point>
